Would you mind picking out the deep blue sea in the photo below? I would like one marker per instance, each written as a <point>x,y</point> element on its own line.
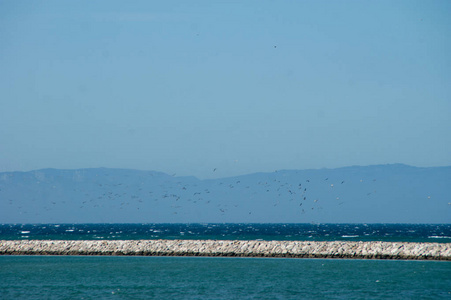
<point>98,277</point>
<point>438,233</point>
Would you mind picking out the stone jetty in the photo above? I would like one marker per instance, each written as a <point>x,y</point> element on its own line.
<point>295,249</point>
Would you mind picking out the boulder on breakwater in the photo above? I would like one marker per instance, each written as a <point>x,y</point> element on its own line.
<point>298,249</point>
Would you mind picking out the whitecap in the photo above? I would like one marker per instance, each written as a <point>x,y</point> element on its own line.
<point>24,232</point>
<point>349,236</point>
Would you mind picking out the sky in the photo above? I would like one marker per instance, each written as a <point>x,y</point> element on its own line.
<point>224,88</point>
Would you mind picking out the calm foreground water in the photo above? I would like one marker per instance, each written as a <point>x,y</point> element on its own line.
<point>437,233</point>
<point>55,277</point>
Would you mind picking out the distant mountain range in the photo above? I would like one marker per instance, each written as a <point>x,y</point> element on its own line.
<point>393,193</point>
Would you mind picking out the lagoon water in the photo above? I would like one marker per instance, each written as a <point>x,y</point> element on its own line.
<point>73,277</point>
<point>98,277</point>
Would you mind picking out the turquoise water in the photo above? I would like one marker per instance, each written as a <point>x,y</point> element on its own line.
<point>71,277</point>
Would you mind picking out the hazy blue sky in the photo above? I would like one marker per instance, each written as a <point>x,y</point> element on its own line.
<point>245,86</point>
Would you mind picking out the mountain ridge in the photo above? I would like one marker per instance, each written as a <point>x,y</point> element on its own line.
<point>392,193</point>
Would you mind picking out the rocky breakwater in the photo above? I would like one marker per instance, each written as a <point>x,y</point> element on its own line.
<point>300,249</point>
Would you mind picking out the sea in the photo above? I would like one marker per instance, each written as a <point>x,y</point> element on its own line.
<point>109,277</point>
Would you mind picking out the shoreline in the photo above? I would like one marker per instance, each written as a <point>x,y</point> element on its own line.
<point>231,248</point>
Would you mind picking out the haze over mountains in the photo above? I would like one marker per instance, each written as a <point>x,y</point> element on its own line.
<point>373,194</point>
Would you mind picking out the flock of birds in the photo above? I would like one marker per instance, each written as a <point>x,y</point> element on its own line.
<point>174,194</point>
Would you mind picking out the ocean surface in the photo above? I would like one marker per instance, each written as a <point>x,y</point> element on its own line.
<point>437,233</point>
<point>97,277</point>
<point>73,277</point>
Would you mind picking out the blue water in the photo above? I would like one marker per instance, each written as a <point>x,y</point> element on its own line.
<point>439,233</point>
<point>56,277</point>
<point>47,277</point>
